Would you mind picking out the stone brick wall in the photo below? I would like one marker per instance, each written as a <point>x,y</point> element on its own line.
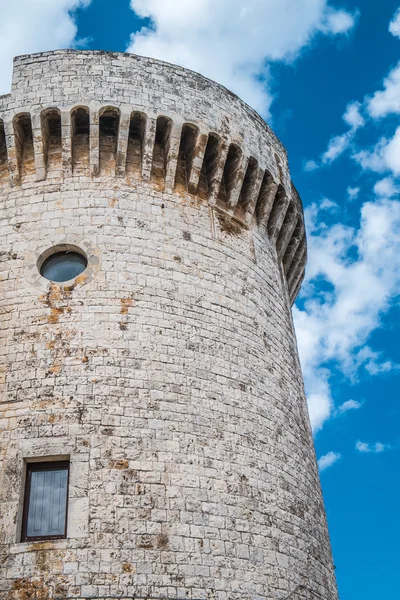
<point>168,373</point>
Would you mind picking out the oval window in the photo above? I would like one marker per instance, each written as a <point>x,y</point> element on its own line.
<point>63,266</point>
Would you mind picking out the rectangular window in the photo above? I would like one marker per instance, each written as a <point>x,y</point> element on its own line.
<point>45,504</point>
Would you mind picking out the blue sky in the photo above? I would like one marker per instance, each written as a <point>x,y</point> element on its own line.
<point>325,76</point>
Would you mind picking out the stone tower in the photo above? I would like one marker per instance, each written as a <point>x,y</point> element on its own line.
<point>155,436</point>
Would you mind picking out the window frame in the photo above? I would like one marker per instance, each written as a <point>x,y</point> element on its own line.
<point>60,254</point>
<point>43,466</point>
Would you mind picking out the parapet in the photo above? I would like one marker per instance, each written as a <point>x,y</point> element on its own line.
<point>84,114</point>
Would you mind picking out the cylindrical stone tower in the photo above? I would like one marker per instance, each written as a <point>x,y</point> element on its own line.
<point>155,436</point>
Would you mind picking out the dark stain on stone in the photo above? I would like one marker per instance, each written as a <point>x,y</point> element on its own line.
<point>228,225</point>
<point>144,542</point>
<point>126,303</point>
<point>162,541</point>
<point>118,464</point>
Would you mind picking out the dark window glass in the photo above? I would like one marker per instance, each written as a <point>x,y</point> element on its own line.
<point>46,494</point>
<point>63,266</point>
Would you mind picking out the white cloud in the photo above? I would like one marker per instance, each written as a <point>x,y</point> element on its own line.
<point>232,42</point>
<point>361,274</point>
<point>374,367</point>
<point>386,188</point>
<point>337,145</point>
<point>353,192</point>
<point>310,165</point>
<point>391,153</point>
<point>327,204</point>
<point>372,160</point>
<point>349,405</point>
<point>320,401</point>
<point>394,25</point>
<point>386,101</point>
<point>376,448</point>
<point>353,116</point>
<point>27,26</point>
<point>340,143</point>
<point>385,156</point>
<point>328,460</point>
<point>338,21</point>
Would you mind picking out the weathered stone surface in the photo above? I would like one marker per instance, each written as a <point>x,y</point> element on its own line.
<point>168,372</point>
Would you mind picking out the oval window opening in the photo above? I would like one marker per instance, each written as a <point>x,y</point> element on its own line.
<point>63,266</point>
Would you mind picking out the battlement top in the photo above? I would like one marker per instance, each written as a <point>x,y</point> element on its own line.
<point>101,114</point>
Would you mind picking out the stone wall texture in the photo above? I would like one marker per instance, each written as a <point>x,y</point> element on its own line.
<point>168,372</point>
